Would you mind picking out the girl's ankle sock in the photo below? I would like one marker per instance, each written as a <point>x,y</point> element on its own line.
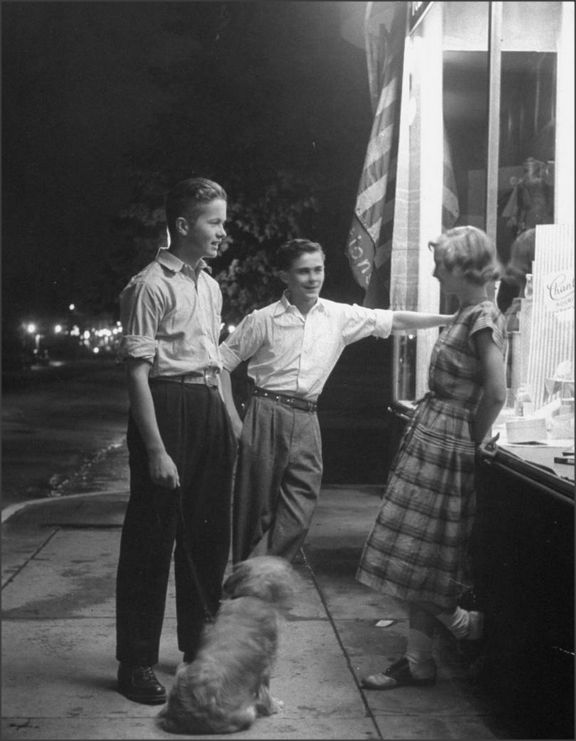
<point>419,654</point>
<point>463,624</point>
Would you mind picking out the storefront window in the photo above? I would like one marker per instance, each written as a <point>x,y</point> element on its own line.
<point>488,94</point>
<point>441,179</point>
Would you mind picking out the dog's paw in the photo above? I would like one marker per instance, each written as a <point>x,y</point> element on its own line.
<point>266,704</point>
<point>270,707</point>
<point>276,705</point>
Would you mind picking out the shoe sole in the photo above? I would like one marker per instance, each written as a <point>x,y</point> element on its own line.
<point>158,700</point>
<point>366,685</point>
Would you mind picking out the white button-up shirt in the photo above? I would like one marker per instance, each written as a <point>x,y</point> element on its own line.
<point>292,353</point>
<point>171,317</point>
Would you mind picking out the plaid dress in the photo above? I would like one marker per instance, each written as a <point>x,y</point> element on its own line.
<point>418,547</point>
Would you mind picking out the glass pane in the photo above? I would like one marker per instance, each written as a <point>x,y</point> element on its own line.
<point>447,119</point>
<point>465,104</point>
<point>535,239</point>
<point>527,154</point>
<point>525,166</point>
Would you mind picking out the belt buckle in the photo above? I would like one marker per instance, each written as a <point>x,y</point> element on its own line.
<point>211,376</point>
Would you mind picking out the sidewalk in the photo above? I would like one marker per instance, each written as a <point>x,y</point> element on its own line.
<point>58,639</point>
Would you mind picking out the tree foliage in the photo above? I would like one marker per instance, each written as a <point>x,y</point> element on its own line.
<point>248,117</point>
<point>282,208</point>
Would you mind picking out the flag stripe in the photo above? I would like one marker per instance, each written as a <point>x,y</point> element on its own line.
<point>388,94</point>
<point>368,202</point>
<point>375,199</point>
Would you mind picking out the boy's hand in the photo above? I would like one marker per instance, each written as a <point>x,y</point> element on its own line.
<point>236,426</point>
<point>163,470</point>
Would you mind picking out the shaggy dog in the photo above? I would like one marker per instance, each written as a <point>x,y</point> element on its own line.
<point>226,687</point>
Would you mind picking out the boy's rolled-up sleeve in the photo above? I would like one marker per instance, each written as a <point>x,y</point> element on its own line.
<point>384,319</point>
<point>137,346</point>
<point>230,359</point>
<point>139,316</point>
<point>241,344</point>
<point>360,322</point>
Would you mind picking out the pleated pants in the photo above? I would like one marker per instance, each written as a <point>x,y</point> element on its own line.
<point>278,478</point>
<point>193,521</point>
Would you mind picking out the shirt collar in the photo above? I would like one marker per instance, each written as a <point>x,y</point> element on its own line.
<point>169,260</point>
<point>283,306</point>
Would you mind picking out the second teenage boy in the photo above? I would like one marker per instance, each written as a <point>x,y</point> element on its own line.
<point>291,347</point>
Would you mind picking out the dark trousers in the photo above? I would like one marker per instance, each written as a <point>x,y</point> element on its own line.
<point>196,431</point>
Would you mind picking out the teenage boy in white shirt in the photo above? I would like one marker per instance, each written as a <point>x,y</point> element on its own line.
<point>291,347</point>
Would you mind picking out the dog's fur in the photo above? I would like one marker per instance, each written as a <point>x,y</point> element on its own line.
<point>226,687</point>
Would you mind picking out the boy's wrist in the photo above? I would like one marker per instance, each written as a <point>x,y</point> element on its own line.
<point>156,450</point>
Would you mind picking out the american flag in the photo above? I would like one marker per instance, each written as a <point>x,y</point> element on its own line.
<point>369,240</point>
<point>369,243</point>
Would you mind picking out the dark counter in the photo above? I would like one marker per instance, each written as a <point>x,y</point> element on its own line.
<point>523,561</point>
<point>523,554</point>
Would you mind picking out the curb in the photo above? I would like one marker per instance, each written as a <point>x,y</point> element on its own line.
<point>11,510</point>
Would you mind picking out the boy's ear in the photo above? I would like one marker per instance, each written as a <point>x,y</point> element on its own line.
<point>283,275</point>
<point>182,225</point>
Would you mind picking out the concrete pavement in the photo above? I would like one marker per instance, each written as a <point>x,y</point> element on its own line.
<point>58,640</point>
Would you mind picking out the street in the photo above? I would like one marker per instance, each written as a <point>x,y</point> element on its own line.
<point>64,426</point>
<point>57,425</point>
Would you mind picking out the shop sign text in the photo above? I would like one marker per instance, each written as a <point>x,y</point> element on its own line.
<point>559,291</point>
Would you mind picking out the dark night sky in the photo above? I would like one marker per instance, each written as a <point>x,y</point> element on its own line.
<point>82,97</point>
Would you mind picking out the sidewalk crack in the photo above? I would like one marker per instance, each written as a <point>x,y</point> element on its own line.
<point>31,557</point>
<point>367,708</point>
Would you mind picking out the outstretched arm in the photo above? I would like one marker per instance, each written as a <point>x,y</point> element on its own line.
<point>419,320</point>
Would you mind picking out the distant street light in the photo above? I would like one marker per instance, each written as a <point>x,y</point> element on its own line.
<point>72,307</point>
<point>31,328</point>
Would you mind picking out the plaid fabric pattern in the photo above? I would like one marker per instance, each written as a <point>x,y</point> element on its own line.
<point>418,547</point>
<point>454,370</point>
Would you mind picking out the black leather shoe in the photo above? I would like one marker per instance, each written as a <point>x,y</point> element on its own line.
<point>139,683</point>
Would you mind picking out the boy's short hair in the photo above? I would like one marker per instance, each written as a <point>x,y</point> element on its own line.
<point>290,251</point>
<point>187,196</point>
<point>470,249</point>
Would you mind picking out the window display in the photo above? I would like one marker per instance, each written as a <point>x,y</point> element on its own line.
<point>540,408</point>
<point>487,100</point>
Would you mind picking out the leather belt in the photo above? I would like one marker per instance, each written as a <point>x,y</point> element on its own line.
<point>290,401</point>
<point>206,377</point>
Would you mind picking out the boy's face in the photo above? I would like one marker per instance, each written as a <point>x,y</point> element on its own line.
<point>305,278</point>
<point>205,231</point>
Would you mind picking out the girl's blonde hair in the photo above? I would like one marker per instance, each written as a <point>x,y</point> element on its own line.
<point>470,249</point>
